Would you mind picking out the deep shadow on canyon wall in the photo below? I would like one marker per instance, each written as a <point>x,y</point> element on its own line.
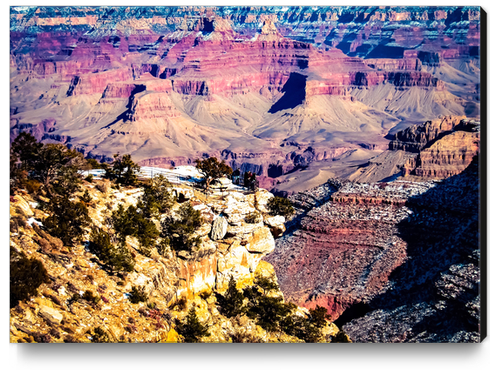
<point>434,295</point>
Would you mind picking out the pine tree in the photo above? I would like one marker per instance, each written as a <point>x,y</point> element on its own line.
<point>191,329</point>
<point>231,303</point>
<point>123,170</point>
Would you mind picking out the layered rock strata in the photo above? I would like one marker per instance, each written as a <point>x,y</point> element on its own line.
<point>392,262</point>
<point>445,147</point>
<point>436,149</point>
<point>174,282</point>
<point>343,251</point>
<point>435,295</point>
<point>166,84</point>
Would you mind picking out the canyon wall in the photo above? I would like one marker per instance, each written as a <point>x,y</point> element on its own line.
<point>343,251</point>
<point>392,262</point>
<point>434,296</point>
<point>165,83</point>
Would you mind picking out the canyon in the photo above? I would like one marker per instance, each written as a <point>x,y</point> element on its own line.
<point>294,94</point>
<point>358,242</point>
<point>366,118</point>
<point>392,261</point>
<point>83,294</point>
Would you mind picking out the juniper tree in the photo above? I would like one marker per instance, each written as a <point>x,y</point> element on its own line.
<point>123,170</point>
<point>117,257</point>
<point>191,328</point>
<point>131,222</point>
<point>54,165</point>
<point>213,169</point>
<point>67,219</point>
<point>26,275</point>
<point>178,230</point>
<point>156,198</point>
<point>231,303</point>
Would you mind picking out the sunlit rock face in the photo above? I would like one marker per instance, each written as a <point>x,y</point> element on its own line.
<point>173,281</point>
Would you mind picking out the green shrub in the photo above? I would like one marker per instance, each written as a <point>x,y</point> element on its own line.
<point>130,222</point>
<point>279,206</point>
<point>341,337</point>
<point>66,183</point>
<point>301,327</point>
<point>67,220</point>
<point>231,303</point>
<point>118,257</point>
<point>89,178</point>
<point>24,151</point>
<point>267,284</point>
<point>319,316</point>
<point>53,166</point>
<point>74,298</point>
<point>26,275</point>
<point>123,170</point>
<point>252,218</point>
<point>156,198</point>
<point>99,336</point>
<point>86,198</point>
<point>91,297</point>
<point>191,328</point>
<point>179,230</point>
<point>137,295</point>
<point>268,311</point>
<point>306,328</point>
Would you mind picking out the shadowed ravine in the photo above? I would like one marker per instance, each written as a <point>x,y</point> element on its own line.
<point>436,292</point>
<point>389,267</point>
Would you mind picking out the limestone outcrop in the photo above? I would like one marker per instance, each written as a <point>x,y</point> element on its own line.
<point>83,294</point>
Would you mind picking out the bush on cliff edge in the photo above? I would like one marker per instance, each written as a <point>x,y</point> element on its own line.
<point>279,206</point>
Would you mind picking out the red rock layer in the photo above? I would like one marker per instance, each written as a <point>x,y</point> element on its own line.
<point>445,147</point>
<point>96,83</point>
<point>344,251</point>
<point>415,138</point>
<point>448,156</point>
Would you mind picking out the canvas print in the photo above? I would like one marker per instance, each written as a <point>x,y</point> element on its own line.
<point>245,174</point>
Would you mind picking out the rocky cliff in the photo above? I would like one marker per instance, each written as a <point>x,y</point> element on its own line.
<point>437,149</point>
<point>83,295</point>
<point>445,147</point>
<point>393,262</point>
<point>343,251</point>
<point>434,296</point>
